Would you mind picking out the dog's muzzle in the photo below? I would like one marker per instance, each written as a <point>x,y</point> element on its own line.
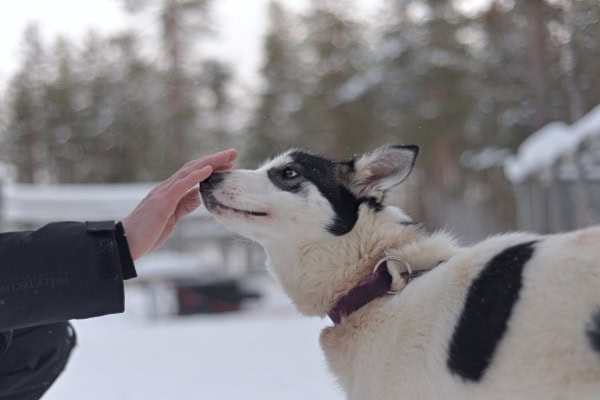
<point>212,181</point>
<point>207,186</point>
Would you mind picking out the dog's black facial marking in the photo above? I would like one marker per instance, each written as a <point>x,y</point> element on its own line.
<point>593,331</point>
<point>327,176</point>
<point>289,177</point>
<point>486,312</point>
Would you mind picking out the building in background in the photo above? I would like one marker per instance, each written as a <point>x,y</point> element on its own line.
<point>556,176</point>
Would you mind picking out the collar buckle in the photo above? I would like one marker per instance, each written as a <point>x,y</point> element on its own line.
<point>407,275</point>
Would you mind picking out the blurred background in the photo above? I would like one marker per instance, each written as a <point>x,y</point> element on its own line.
<point>100,99</point>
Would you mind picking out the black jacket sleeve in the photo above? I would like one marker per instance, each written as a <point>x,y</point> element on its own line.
<point>62,271</point>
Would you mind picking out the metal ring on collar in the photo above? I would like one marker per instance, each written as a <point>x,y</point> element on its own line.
<point>409,271</point>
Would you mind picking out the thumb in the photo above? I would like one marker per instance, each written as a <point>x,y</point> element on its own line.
<point>187,204</point>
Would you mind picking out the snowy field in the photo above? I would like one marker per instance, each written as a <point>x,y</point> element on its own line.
<point>267,352</point>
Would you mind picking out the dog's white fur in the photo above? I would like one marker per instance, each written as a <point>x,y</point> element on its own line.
<point>396,346</point>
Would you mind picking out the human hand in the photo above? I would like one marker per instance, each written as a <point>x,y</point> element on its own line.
<point>153,219</point>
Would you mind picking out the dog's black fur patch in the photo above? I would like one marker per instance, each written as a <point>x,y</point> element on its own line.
<point>593,331</point>
<point>374,204</point>
<point>322,173</point>
<point>487,309</point>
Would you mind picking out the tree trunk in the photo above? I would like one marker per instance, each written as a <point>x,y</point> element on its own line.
<point>537,59</point>
<point>570,64</point>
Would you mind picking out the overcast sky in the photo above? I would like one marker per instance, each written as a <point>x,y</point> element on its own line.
<point>241,24</point>
<point>68,17</point>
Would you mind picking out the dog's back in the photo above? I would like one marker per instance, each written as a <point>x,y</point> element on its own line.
<point>514,317</point>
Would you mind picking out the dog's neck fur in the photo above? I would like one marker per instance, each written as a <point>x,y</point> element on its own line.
<point>338,264</point>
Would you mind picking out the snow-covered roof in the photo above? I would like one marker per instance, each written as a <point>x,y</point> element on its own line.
<point>34,204</point>
<point>546,146</point>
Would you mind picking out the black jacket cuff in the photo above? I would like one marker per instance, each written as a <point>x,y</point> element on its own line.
<point>124,254</point>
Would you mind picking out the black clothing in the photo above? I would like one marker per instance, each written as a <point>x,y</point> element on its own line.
<point>62,271</point>
<point>34,360</point>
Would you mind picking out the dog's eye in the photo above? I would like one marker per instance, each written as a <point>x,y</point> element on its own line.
<point>289,173</point>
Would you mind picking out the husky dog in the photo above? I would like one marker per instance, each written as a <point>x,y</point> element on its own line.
<point>414,315</point>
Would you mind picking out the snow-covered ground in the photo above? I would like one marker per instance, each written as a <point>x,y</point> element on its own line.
<point>267,352</point>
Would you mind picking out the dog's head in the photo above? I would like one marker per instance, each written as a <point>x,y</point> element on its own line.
<point>300,196</point>
<point>298,200</point>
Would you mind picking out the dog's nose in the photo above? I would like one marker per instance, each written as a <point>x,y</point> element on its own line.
<point>212,181</point>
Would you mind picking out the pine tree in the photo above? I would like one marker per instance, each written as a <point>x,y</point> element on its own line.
<point>183,25</point>
<point>182,22</point>
<point>217,105</point>
<point>337,109</point>
<point>26,131</point>
<point>135,130</point>
<point>579,48</point>
<point>274,126</point>
<point>425,96</point>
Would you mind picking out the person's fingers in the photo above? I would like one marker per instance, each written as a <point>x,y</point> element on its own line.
<point>180,187</point>
<point>232,154</point>
<point>216,159</point>
<point>196,176</point>
<point>224,167</point>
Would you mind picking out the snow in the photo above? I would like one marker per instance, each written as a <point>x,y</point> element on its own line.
<point>551,143</point>
<point>358,85</point>
<point>588,126</point>
<point>488,157</point>
<point>265,352</point>
<point>540,150</point>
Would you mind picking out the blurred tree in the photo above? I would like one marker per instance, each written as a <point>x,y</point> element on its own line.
<point>195,100</point>
<point>121,108</point>
<point>575,32</point>
<point>97,111</point>
<point>316,84</point>
<point>182,21</point>
<point>27,97</point>
<point>424,95</point>
<point>337,106</point>
<point>105,113</point>
<point>135,150</point>
<point>217,103</point>
<point>570,62</point>
<point>522,83</point>
<point>503,111</point>
<point>64,141</point>
<point>274,126</point>
<point>538,59</point>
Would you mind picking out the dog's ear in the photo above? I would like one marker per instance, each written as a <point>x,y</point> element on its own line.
<point>380,170</point>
